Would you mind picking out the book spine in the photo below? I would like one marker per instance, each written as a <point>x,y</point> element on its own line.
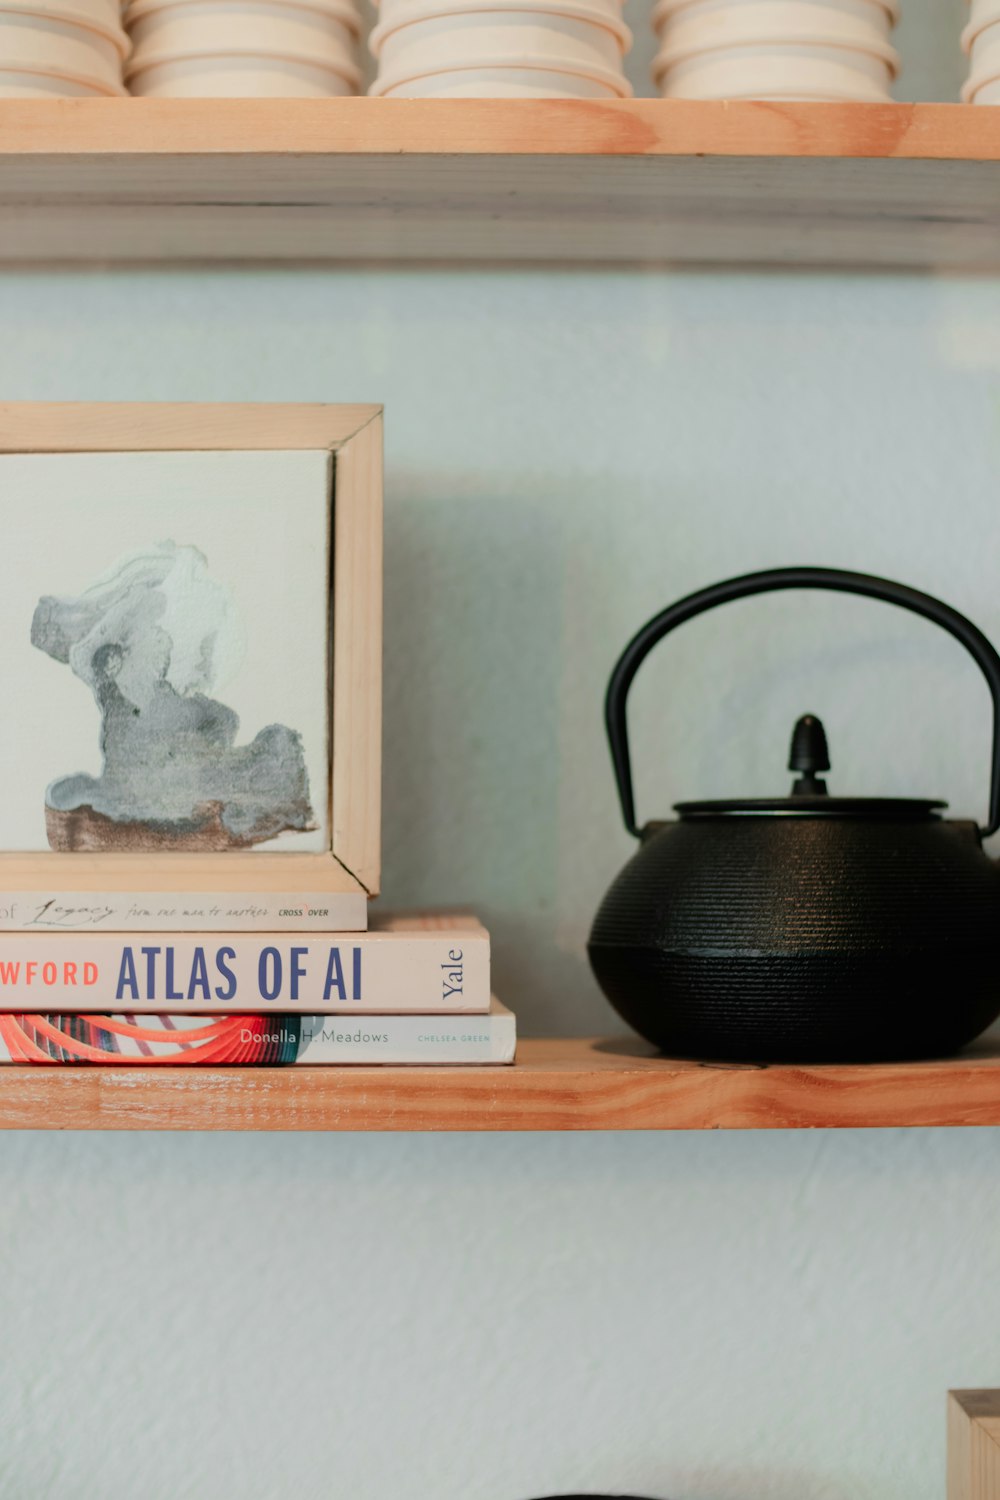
<point>128,1040</point>
<point>358,974</point>
<point>162,911</point>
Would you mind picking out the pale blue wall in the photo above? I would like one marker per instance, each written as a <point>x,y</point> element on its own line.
<point>725,1317</point>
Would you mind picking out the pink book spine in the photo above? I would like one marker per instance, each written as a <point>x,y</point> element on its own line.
<point>426,971</point>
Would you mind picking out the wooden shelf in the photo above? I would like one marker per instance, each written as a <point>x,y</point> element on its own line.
<point>555,1085</point>
<point>638,181</point>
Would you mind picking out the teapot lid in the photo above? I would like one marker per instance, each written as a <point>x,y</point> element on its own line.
<point>809,797</point>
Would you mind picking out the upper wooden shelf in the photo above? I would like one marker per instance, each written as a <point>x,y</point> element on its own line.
<point>376,180</point>
<point>555,1085</point>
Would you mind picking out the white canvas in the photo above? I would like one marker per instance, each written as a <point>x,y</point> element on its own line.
<point>215,570</point>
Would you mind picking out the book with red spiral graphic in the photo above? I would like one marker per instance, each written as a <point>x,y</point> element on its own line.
<point>149,1039</point>
<point>138,1040</point>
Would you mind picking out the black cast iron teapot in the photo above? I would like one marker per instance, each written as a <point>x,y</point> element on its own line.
<point>809,927</point>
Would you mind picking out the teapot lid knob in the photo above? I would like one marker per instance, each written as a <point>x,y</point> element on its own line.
<point>809,754</point>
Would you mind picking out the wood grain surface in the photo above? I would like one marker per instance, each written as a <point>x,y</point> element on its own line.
<point>196,128</point>
<point>180,874</point>
<point>974,1445</point>
<point>176,426</point>
<point>384,180</point>
<point>356,811</point>
<point>555,1085</point>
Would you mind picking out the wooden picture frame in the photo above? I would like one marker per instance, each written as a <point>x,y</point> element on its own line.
<point>353,436</point>
<point>974,1445</point>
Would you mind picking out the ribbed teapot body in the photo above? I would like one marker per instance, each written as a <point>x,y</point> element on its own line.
<point>774,938</point>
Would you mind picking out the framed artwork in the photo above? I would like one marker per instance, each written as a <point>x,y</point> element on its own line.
<point>974,1445</point>
<point>190,614</point>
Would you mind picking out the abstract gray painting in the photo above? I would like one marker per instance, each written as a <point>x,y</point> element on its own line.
<point>148,639</point>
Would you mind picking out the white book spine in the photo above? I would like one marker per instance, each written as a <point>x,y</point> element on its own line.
<point>388,972</point>
<point>164,911</point>
<point>409,1039</point>
<point>128,1040</point>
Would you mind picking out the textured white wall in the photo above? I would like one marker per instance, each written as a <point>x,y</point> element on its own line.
<point>724,1317</point>
<point>735,1317</point>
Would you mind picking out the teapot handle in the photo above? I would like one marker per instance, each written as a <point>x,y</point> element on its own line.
<point>770,581</point>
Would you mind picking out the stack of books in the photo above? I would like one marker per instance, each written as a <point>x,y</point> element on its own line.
<point>99,978</point>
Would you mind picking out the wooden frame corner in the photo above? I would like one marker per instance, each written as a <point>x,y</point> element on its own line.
<point>974,1445</point>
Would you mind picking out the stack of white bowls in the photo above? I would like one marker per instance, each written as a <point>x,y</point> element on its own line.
<point>981,40</point>
<point>501,49</point>
<point>214,49</point>
<point>61,49</point>
<point>776,49</point>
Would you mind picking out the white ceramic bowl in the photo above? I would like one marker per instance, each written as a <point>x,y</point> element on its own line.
<point>981,39</point>
<point>985,58</point>
<point>771,71</point>
<point>976,83</point>
<point>982,13</point>
<point>717,24</point>
<point>510,73</point>
<point>238,76</point>
<point>43,44</point>
<point>51,86</point>
<point>199,27</point>
<point>102,16</point>
<point>850,9</point>
<point>797,96</point>
<point>394,13</point>
<point>501,83</point>
<point>560,41</point>
<point>986,93</point>
<point>681,42</point>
